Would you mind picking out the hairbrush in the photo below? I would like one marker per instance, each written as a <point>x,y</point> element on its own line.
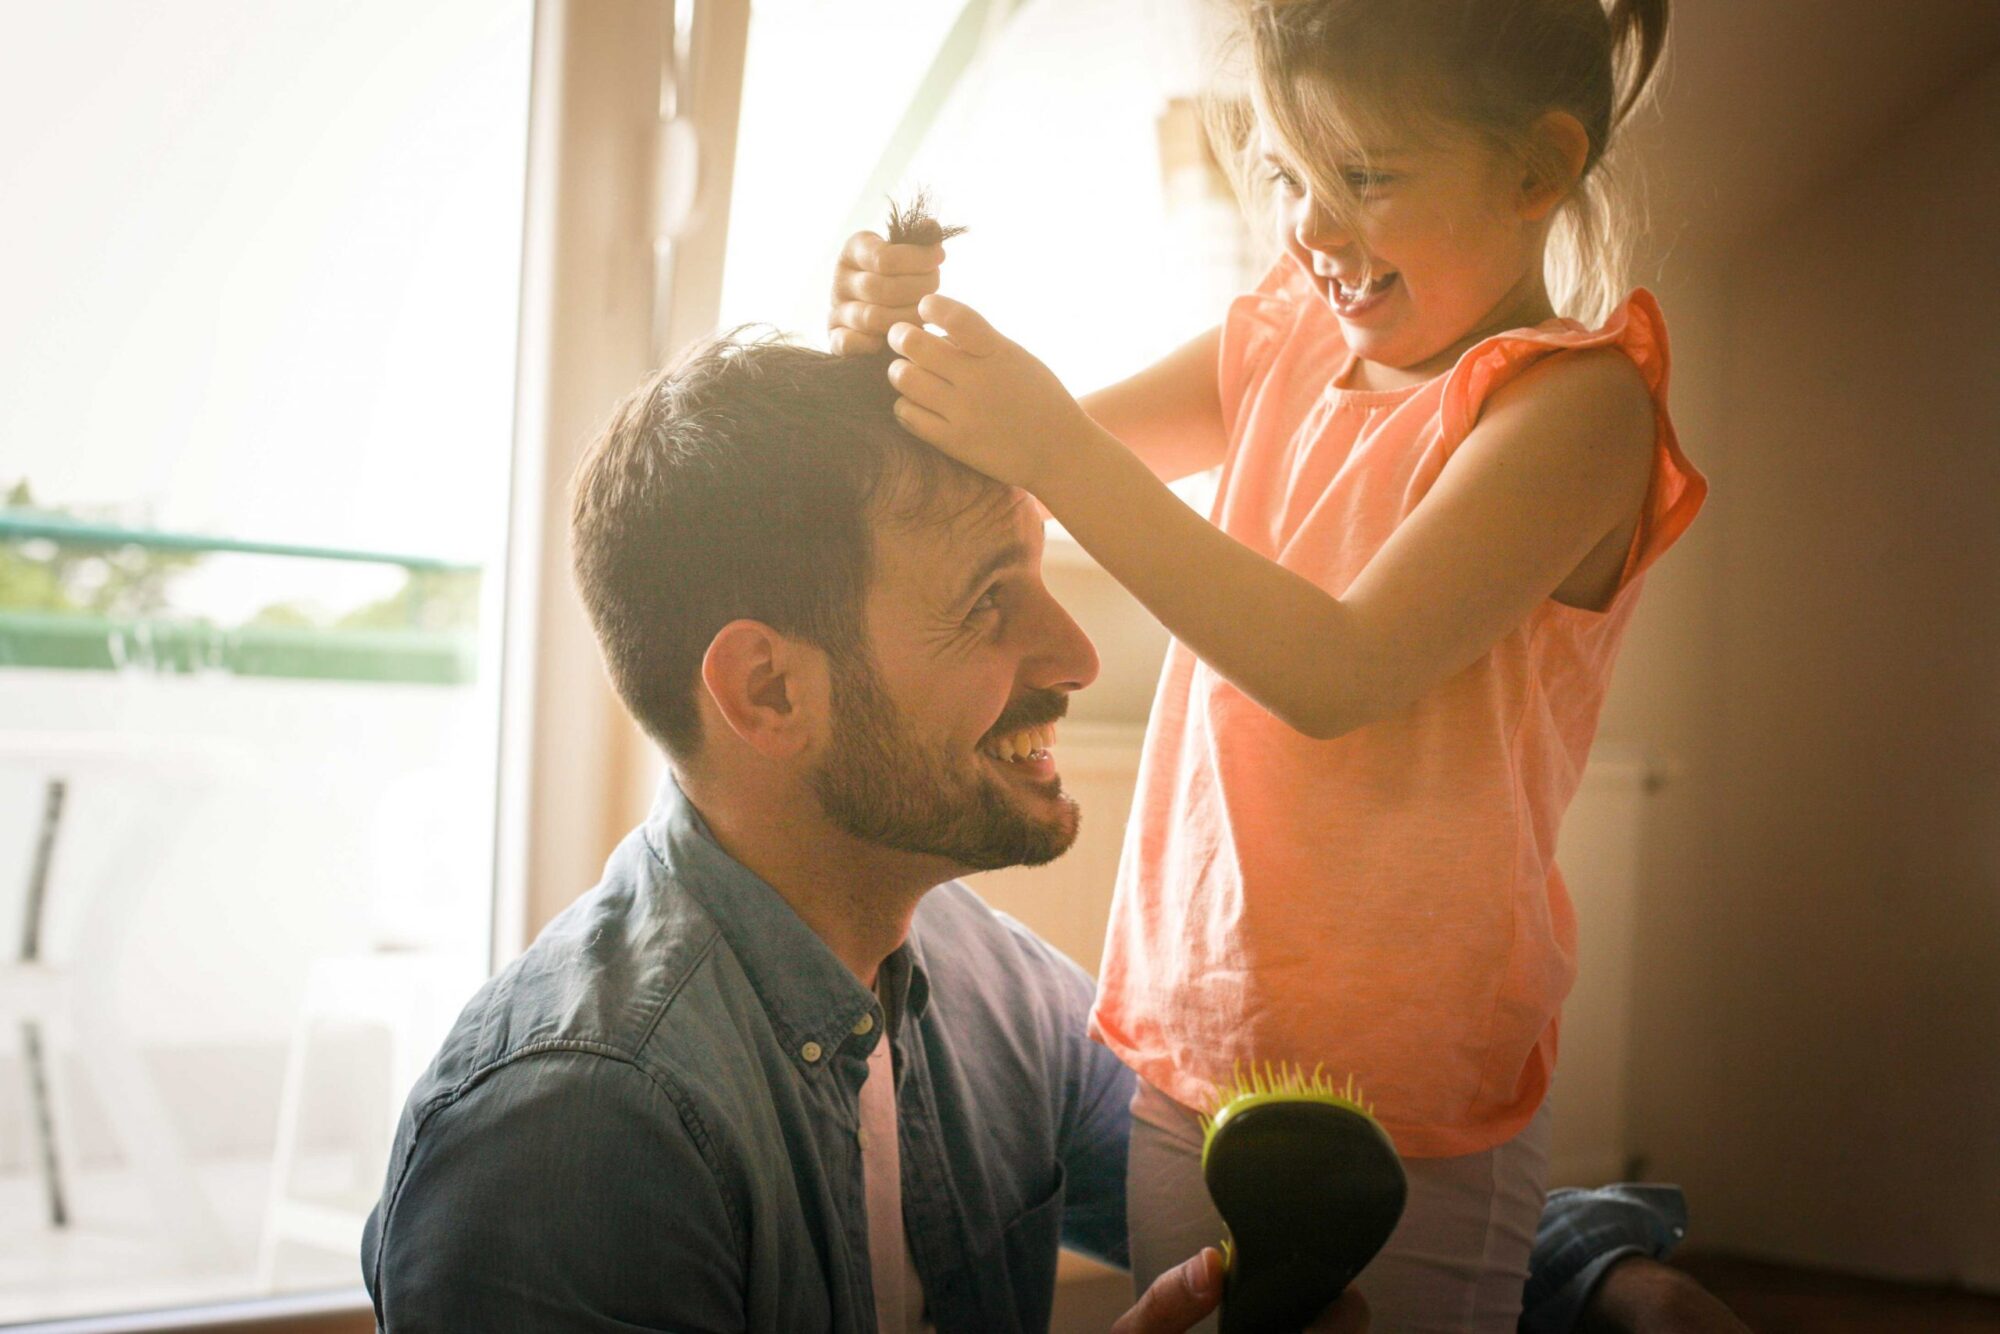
<point>1308,1185</point>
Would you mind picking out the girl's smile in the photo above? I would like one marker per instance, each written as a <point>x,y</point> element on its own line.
<point>1353,300</point>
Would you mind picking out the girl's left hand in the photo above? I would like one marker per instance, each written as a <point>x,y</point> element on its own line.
<point>983,399</point>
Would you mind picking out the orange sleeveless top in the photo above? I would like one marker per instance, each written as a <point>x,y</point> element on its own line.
<point>1386,903</point>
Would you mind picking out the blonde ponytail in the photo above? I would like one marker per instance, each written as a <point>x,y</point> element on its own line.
<point>1638,40</point>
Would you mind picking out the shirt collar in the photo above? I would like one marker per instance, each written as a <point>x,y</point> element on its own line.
<point>815,1004</point>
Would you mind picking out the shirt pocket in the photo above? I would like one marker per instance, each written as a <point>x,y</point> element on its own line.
<point>1029,1245</point>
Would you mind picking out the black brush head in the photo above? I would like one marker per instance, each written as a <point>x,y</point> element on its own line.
<point>1310,1192</point>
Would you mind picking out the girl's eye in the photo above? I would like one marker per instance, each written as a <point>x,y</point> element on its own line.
<point>1356,179</point>
<point>1280,177</point>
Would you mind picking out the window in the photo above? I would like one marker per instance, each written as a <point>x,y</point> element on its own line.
<point>262,265</point>
<point>1063,132</point>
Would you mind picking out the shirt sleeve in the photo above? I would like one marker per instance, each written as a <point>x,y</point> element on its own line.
<point>1096,1131</point>
<point>1582,1234</point>
<point>564,1192</point>
<point>1637,329</point>
<point>1253,328</point>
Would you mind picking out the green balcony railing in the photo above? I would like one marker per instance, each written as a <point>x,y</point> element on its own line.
<point>424,634</point>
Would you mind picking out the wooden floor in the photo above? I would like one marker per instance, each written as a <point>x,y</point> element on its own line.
<point>1780,1299</point>
<point>1770,1299</point>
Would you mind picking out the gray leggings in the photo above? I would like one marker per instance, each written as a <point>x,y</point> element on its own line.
<point>1455,1264</point>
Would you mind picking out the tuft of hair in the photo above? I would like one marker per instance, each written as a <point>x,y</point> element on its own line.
<point>745,480</point>
<point>1332,78</point>
<point>912,223</point>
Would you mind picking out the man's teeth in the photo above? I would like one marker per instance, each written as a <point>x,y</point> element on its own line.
<point>1022,744</point>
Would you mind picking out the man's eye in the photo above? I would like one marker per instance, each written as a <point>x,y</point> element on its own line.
<point>988,601</point>
<point>1363,181</point>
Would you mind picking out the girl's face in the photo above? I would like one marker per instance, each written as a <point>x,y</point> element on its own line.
<point>1447,249</point>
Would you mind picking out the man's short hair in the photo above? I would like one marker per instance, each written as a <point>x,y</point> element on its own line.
<point>743,482</point>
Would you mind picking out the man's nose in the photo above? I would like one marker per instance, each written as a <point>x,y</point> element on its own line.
<point>1064,658</point>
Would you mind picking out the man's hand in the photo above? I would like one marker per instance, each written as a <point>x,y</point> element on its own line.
<point>875,286</point>
<point>984,399</point>
<point>1639,1295</point>
<point>1180,1298</point>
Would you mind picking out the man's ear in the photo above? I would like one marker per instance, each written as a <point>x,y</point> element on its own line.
<point>1561,148</point>
<point>772,690</point>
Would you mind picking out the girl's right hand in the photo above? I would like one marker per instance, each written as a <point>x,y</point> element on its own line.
<point>877,285</point>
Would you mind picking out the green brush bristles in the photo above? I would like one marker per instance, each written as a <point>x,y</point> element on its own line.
<point>1278,1083</point>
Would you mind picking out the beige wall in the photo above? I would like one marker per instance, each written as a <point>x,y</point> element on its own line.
<point>1817,1026</point>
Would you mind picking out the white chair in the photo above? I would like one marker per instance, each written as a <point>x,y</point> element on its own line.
<point>408,990</point>
<point>412,999</point>
<point>57,992</point>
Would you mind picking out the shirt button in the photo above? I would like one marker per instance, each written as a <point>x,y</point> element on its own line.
<point>811,1052</point>
<point>864,1025</point>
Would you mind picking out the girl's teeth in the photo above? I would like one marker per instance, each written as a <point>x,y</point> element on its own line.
<point>1351,292</point>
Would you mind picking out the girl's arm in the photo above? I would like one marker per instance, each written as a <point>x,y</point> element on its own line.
<point>1169,415</point>
<point>1560,458</point>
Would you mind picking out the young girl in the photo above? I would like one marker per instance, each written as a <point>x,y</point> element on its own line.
<point>1393,636</point>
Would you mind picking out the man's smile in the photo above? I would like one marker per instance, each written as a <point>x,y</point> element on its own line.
<point>1026,753</point>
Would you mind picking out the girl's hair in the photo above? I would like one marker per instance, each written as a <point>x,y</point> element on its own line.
<point>1333,78</point>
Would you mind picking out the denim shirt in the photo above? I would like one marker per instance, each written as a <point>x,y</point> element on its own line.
<point>650,1120</point>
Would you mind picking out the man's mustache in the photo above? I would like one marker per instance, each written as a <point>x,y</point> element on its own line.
<point>1031,710</point>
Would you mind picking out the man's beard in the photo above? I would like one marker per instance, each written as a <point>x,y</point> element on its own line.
<point>883,786</point>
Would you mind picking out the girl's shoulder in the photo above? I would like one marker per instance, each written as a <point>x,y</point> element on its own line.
<point>1634,335</point>
<point>1614,376</point>
<point>1281,300</point>
<point>1280,315</point>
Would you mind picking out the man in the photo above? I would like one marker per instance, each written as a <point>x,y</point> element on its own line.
<point>698,1101</point>
<point>777,1072</point>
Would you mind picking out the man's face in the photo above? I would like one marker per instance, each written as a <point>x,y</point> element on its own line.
<point>943,746</point>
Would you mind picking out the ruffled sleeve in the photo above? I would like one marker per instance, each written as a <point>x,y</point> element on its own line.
<point>1253,330</point>
<point>1639,330</point>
